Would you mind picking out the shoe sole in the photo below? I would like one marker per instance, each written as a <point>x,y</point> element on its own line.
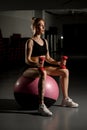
<point>70,106</point>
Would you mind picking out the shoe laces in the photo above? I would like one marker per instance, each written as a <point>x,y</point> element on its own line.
<point>69,99</point>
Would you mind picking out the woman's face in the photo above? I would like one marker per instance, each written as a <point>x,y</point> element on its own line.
<point>40,27</point>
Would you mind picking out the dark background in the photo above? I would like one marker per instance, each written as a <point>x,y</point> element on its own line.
<point>41,4</point>
<point>75,39</point>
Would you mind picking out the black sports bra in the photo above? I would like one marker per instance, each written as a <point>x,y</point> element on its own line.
<point>38,50</point>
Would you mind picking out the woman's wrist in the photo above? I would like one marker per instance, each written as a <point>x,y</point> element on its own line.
<point>59,63</point>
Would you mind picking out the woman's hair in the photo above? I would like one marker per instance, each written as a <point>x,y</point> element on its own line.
<point>35,22</point>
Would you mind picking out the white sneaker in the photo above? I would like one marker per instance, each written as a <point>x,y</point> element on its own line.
<point>68,102</point>
<point>44,111</point>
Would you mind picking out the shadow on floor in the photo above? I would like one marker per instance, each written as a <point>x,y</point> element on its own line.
<point>10,106</point>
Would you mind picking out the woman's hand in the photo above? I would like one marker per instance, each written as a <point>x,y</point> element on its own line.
<point>63,62</point>
<point>41,63</point>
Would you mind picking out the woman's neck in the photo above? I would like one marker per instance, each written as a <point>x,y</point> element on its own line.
<point>37,36</point>
<point>38,39</point>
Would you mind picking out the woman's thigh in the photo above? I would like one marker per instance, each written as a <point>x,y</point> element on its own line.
<point>31,72</point>
<point>55,71</point>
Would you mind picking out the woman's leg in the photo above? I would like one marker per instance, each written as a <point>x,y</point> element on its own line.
<point>41,87</point>
<point>64,78</point>
<point>33,73</point>
<point>64,82</point>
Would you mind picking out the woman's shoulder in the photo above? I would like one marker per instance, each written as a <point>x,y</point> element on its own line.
<point>29,41</point>
<point>45,40</point>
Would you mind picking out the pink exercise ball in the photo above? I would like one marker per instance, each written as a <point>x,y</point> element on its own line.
<point>26,92</point>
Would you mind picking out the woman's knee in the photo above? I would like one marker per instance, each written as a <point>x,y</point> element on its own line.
<point>65,72</point>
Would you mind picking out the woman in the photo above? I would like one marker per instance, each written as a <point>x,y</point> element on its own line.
<point>36,51</point>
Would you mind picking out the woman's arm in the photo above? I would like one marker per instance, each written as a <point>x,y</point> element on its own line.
<point>28,53</point>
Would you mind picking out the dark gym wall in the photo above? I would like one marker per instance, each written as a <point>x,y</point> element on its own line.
<point>75,39</point>
<point>41,4</point>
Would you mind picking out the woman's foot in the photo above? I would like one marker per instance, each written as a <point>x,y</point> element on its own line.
<point>68,102</point>
<point>44,111</point>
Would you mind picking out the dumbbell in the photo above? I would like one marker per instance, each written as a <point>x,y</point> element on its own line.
<point>63,58</point>
<point>41,63</point>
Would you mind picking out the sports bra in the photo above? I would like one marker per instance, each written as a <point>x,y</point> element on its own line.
<point>38,50</point>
